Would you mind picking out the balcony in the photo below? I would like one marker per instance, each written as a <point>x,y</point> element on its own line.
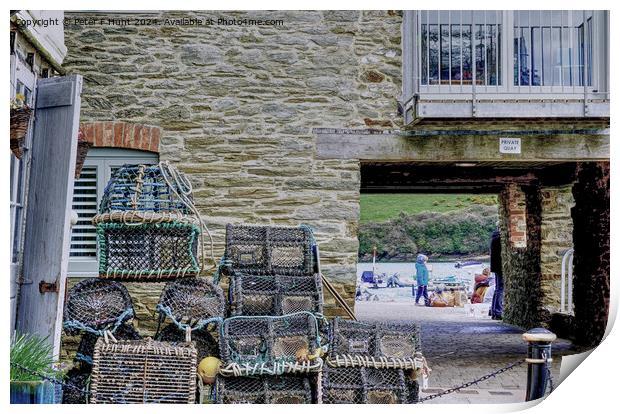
<point>505,64</point>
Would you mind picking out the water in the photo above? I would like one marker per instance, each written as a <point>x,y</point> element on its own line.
<point>406,271</point>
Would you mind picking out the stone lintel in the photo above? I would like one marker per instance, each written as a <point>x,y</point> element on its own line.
<point>394,146</point>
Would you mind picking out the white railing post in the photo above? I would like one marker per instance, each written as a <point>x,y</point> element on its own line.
<point>570,282</point>
<point>566,283</point>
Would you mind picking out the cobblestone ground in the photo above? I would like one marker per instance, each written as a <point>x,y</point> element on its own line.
<point>460,348</point>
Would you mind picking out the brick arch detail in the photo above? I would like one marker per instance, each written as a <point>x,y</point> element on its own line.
<point>120,134</point>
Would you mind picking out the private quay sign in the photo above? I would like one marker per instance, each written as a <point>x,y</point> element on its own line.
<point>510,145</point>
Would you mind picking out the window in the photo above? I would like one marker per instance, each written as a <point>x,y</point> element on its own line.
<point>461,47</point>
<point>22,81</point>
<point>505,64</point>
<point>99,166</point>
<point>552,48</point>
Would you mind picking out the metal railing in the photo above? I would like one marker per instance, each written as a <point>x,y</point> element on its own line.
<point>566,283</point>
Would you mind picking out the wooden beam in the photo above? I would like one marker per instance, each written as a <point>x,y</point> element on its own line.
<point>47,236</point>
<point>395,147</point>
<point>447,178</point>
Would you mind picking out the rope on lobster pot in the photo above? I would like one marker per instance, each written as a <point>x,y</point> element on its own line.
<point>183,190</point>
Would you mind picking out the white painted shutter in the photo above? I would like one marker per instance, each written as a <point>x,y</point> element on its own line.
<point>83,234</point>
<point>99,166</point>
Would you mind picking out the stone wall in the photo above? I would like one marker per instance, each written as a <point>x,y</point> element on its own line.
<point>591,263</point>
<point>556,238</point>
<point>521,264</point>
<point>237,105</point>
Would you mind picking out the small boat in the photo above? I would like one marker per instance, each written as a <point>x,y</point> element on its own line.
<point>460,265</point>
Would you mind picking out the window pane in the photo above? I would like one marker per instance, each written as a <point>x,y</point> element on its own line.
<point>424,54</point>
<point>557,56</point>
<point>456,52</point>
<point>16,234</point>
<point>480,54</point>
<point>449,54</point>
<point>547,56</point>
<point>433,54</point>
<point>515,58</point>
<point>536,56</point>
<point>551,48</point>
<point>13,178</point>
<point>467,69</point>
<point>589,50</point>
<point>566,57</point>
<point>445,53</point>
<point>492,54</point>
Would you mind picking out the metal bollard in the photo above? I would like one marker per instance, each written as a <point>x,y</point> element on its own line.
<point>538,361</point>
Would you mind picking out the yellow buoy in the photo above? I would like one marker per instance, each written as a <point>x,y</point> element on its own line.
<point>208,369</point>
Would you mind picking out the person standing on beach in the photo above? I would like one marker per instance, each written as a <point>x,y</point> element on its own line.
<point>421,272</point>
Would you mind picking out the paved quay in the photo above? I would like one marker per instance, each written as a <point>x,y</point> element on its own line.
<point>460,348</point>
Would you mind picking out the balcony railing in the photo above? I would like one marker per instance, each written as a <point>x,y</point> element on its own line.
<point>506,64</point>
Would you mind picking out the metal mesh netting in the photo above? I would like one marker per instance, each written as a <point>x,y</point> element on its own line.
<point>142,188</point>
<point>275,295</point>
<point>143,372</point>
<point>269,250</point>
<point>389,340</point>
<point>191,302</point>
<point>86,348</point>
<point>147,251</point>
<point>205,342</point>
<point>283,389</point>
<point>75,386</point>
<point>368,386</point>
<point>95,304</point>
<point>266,340</point>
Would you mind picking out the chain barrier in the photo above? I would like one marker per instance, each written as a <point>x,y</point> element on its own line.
<point>549,375</point>
<point>51,379</point>
<point>470,383</point>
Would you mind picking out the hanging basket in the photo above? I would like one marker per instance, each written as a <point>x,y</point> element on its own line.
<point>82,150</point>
<point>20,119</point>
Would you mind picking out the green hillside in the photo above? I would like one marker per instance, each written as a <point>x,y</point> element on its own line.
<point>440,225</point>
<point>383,207</point>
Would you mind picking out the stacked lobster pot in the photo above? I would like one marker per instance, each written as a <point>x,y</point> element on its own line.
<point>94,308</point>
<point>275,325</point>
<point>373,363</point>
<point>148,230</point>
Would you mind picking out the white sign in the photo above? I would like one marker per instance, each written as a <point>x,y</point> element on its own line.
<point>510,145</point>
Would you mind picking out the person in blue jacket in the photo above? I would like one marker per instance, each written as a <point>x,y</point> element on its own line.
<point>422,278</point>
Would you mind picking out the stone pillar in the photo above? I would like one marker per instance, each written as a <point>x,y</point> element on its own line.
<point>517,226</point>
<point>519,212</point>
<point>556,238</point>
<point>591,260</point>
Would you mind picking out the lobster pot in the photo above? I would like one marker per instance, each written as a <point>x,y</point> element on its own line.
<point>143,372</point>
<point>88,341</point>
<point>206,342</point>
<point>283,389</point>
<point>144,188</point>
<point>147,251</point>
<point>191,300</point>
<point>261,250</point>
<point>266,340</point>
<point>75,385</point>
<point>367,386</point>
<point>275,295</point>
<point>389,340</point>
<point>95,305</point>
